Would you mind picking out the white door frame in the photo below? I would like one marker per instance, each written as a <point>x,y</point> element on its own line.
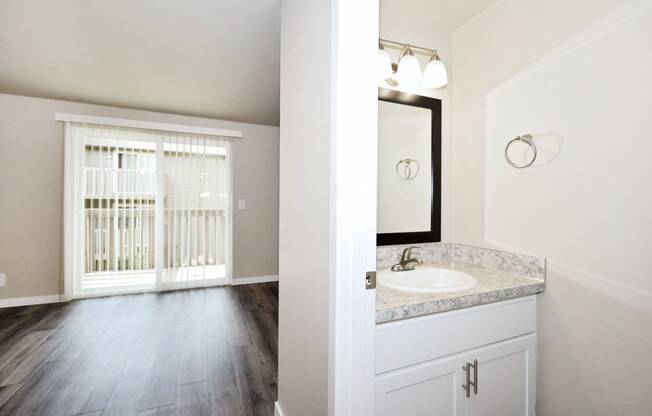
<point>73,234</point>
<point>354,108</point>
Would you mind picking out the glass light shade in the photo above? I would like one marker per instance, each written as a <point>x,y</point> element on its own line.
<point>384,65</point>
<point>409,71</point>
<point>435,75</point>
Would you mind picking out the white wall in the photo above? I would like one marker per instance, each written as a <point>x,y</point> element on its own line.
<point>488,50</point>
<point>31,191</point>
<point>590,118</point>
<point>304,226</point>
<point>327,205</point>
<point>576,75</point>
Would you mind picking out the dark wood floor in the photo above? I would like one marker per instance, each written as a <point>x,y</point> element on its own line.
<point>193,352</point>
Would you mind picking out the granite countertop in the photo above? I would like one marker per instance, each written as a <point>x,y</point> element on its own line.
<point>499,275</point>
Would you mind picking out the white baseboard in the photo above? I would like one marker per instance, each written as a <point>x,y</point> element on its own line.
<point>254,280</point>
<point>32,300</point>
<point>41,300</point>
<point>277,409</point>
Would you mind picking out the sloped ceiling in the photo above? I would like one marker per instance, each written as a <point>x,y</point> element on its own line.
<point>212,58</point>
<point>443,15</point>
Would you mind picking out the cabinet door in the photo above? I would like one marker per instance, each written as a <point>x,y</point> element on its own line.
<point>433,388</point>
<point>506,377</point>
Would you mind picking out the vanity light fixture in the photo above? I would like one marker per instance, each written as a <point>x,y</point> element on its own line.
<point>385,70</point>
<point>407,72</point>
<point>435,74</point>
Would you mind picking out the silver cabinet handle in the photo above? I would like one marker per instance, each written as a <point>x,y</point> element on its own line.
<point>467,387</point>
<point>467,369</point>
<point>475,377</point>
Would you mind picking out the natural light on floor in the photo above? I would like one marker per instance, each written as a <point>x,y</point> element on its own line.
<point>140,280</point>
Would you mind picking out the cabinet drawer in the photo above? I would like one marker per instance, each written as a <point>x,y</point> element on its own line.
<point>416,340</point>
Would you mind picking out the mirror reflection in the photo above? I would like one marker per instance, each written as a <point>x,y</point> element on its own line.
<point>409,160</point>
<point>404,176</point>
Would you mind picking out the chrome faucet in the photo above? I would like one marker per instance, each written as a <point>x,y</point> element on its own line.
<point>408,261</point>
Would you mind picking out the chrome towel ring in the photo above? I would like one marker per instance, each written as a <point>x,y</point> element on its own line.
<point>526,138</point>
<point>407,169</point>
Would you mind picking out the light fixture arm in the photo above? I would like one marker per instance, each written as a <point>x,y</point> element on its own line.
<point>402,46</point>
<point>435,75</point>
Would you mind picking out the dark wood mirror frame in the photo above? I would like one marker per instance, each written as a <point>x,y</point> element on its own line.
<point>434,105</point>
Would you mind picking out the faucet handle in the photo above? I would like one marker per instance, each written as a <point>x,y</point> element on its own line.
<point>408,252</point>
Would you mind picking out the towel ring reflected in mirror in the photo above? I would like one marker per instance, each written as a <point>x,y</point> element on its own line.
<point>407,169</point>
<point>428,177</point>
<point>527,139</point>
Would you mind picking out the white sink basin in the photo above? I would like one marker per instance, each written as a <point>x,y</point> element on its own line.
<point>427,279</point>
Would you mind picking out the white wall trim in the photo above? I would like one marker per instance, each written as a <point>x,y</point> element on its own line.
<point>230,158</point>
<point>253,280</point>
<point>73,232</point>
<point>353,165</point>
<point>632,296</point>
<point>151,125</point>
<point>277,409</point>
<point>31,300</point>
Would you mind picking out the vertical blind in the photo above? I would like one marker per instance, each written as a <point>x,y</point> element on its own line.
<point>129,173</point>
<point>196,208</point>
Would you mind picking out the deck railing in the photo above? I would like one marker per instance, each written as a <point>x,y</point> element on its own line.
<point>121,238</point>
<point>120,225</point>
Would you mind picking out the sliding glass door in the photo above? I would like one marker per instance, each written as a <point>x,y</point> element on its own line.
<point>153,209</point>
<point>119,200</point>
<point>196,211</point>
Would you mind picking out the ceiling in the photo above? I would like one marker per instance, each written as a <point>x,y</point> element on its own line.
<point>444,15</point>
<point>207,58</point>
<point>210,58</point>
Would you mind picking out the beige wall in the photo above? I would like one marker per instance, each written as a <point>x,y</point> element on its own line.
<point>31,192</point>
<point>575,74</point>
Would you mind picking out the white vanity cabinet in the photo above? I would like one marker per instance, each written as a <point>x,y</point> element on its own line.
<point>430,389</point>
<point>422,363</point>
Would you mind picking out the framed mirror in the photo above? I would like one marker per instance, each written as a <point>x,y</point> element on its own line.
<point>409,168</point>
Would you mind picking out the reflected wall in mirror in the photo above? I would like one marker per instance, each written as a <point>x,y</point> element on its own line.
<point>409,168</point>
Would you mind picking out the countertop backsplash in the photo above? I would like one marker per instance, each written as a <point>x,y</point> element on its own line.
<point>490,259</point>
<point>431,253</point>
